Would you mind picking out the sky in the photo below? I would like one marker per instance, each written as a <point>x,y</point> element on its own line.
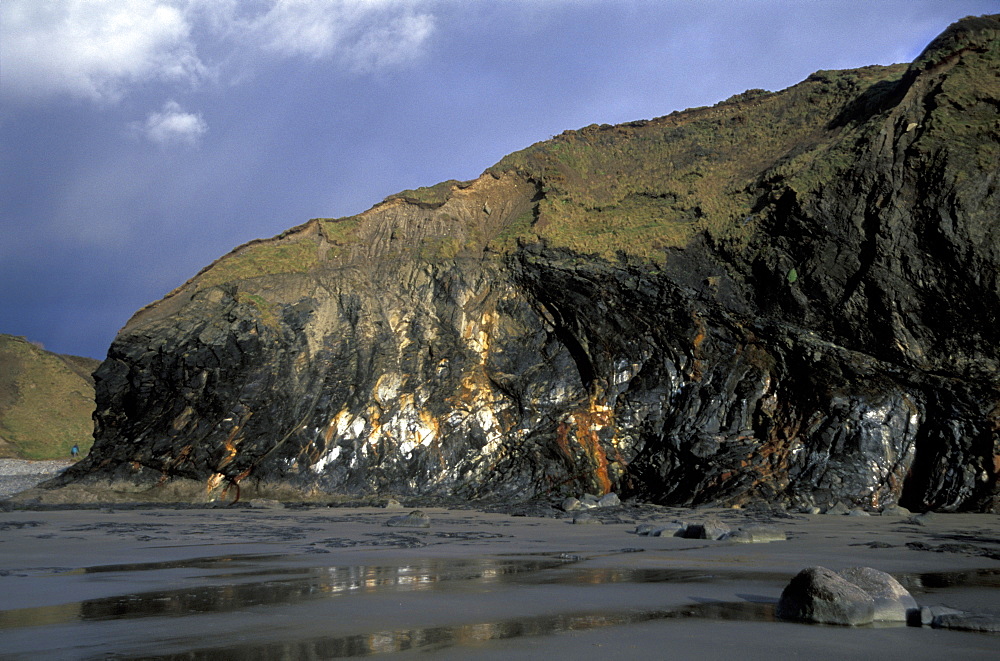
<point>142,139</point>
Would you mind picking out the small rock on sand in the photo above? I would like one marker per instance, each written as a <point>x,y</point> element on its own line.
<point>266,504</point>
<point>585,518</point>
<point>393,504</point>
<point>755,535</point>
<point>711,528</point>
<point>571,504</point>
<point>415,519</point>
<point>982,622</point>
<point>609,500</point>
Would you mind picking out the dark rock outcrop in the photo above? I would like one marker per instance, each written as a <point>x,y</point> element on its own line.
<point>788,297</point>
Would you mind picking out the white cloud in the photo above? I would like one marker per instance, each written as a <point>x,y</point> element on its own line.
<point>93,49</point>
<point>173,126</point>
<point>98,49</point>
<point>395,44</point>
<point>362,34</point>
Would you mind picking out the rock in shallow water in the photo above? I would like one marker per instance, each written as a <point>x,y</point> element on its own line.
<point>818,594</point>
<point>859,595</point>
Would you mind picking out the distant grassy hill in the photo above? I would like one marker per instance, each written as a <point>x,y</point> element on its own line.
<point>46,401</point>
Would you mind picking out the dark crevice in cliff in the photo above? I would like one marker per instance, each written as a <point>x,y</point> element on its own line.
<point>867,253</point>
<point>875,100</point>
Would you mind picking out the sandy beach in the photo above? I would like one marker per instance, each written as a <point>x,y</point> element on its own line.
<point>318,582</point>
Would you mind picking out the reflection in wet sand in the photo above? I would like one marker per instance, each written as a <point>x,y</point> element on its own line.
<point>262,580</point>
<point>305,584</point>
<point>430,638</point>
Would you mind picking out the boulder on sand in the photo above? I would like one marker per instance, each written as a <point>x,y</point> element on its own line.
<point>817,594</point>
<point>859,595</point>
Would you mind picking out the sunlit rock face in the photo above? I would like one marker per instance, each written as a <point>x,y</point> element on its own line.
<point>819,325</point>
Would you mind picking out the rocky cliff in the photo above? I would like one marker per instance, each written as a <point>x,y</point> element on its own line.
<point>790,297</point>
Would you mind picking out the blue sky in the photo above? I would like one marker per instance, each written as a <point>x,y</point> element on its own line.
<point>142,139</point>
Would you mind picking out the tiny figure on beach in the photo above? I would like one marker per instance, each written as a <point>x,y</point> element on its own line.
<point>75,450</point>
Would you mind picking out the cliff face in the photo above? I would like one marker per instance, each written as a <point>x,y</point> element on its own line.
<point>789,297</point>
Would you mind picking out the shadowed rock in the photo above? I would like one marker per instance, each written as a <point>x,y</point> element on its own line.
<point>711,528</point>
<point>672,529</point>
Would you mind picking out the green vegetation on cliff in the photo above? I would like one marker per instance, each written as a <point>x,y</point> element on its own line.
<point>431,196</point>
<point>641,187</point>
<point>262,259</point>
<point>46,401</point>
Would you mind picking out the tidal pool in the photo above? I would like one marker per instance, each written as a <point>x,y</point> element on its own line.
<point>235,585</point>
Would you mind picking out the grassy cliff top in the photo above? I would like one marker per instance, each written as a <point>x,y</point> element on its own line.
<point>642,187</point>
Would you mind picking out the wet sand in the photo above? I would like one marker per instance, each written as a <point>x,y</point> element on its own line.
<point>318,582</point>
